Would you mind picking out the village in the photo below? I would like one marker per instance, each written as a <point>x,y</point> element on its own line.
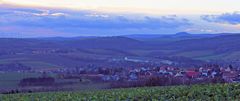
<point>195,75</point>
<point>142,76</point>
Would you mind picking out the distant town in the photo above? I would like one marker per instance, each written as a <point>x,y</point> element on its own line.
<point>141,76</point>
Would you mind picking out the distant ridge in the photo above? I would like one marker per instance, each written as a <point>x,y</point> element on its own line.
<point>183,33</point>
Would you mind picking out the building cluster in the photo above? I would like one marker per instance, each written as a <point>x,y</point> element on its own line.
<point>227,74</point>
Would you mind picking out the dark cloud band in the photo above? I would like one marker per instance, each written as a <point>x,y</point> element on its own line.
<point>55,19</point>
<point>229,18</point>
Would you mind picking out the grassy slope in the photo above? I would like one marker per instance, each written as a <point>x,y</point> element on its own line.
<point>218,92</point>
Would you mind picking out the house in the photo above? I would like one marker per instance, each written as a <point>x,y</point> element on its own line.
<point>115,77</point>
<point>179,74</point>
<point>148,73</point>
<point>143,69</point>
<point>192,74</point>
<point>106,78</point>
<point>213,74</point>
<point>204,73</point>
<point>230,76</point>
<point>228,69</point>
<point>133,76</point>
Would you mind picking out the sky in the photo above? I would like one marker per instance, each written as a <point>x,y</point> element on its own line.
<point>69,18</point>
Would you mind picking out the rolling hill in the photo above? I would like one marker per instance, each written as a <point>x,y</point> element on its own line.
<point>71,52</point>
<point>215,46</point>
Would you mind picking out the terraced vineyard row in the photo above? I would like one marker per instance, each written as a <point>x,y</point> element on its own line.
<point>218,92</point>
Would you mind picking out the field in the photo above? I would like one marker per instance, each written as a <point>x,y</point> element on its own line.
<point>11,80</point>
<point>218,92</point>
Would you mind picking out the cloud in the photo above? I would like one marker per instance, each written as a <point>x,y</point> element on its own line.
<point>97,15</point>
<point>28,12</point>
<point>201,30</point>
<point>84,19</point>
<point>226,18</point>
<point>74,23</point>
